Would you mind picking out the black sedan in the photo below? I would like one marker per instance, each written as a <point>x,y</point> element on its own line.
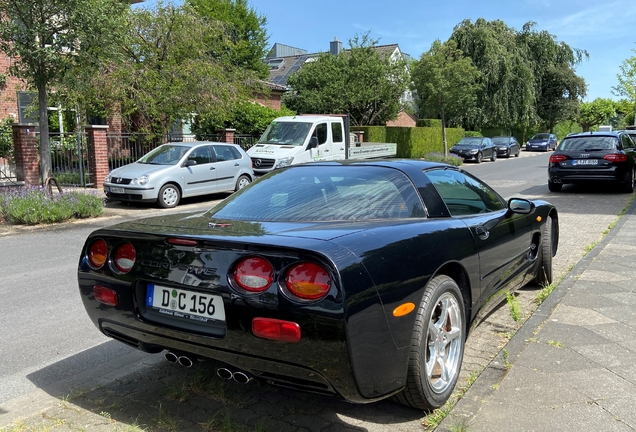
<point>357,279</point>
<point>475,149</point>
<point>506,146</point>
<point>593,157</point>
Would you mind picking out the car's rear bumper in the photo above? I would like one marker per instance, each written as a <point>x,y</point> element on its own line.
<point>588,175</point>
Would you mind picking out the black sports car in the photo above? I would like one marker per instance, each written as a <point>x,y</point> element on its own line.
<point>356,278</point>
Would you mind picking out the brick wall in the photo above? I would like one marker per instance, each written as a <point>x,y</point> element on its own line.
<point>9,95</point>
<point>97,149</point>
<point>26,154</point>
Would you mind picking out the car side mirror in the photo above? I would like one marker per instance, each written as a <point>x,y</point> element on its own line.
<point>313,142</point>
<point>520,206</point>
<point>190,162</point>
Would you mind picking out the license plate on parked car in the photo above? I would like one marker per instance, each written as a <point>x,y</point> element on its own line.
<point>585,162</point>
<point>180,303</point>
<point>116,190</point>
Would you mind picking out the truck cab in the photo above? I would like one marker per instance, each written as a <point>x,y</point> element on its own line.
<point>298,139</point>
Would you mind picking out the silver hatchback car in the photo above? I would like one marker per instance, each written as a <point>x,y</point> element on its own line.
<point>176,170</point>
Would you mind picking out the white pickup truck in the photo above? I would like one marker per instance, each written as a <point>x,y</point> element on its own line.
<point>305,138</point>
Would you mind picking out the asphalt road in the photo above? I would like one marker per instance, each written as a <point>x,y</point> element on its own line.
<point>47,337</point>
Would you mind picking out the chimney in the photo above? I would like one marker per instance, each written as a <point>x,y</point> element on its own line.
<point>335,46</point>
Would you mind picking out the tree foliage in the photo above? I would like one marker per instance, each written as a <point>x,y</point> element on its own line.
<point>360,81</point>
<point>47,39</point>
<point>246,117</point>
<point>527,76</point>
<point>167,69</point>
<point>627,82</point>
<point>595,113</point>
<point>445,82</point>
<point>247,41</point>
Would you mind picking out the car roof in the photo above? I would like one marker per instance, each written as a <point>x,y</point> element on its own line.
<point>601,133</point>
<point>197,143</point>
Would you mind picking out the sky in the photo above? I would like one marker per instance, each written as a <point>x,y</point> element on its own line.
<point>606,30</point>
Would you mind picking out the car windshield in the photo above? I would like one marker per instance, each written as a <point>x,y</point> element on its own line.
<point>165,155</point>
<point>470,141</point>
<point>501,140</point>
<point>325,193</point>
<point>541,136</point>
<point>287,133</point>
<point>589,143</point>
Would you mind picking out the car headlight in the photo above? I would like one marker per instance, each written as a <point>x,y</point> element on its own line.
<point>140,181</point>
<point>474,151</point>
<point>283,162</point>
<point>107,179</point>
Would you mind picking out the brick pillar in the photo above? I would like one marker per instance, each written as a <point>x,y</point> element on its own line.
<point>27,158</point>
<point>97,148</point>
<point>227,135</point>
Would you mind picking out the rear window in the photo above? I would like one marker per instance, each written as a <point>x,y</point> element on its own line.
<point>325,193</point>
<point>589,143</point>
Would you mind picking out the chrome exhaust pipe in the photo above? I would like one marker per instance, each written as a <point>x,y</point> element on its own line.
<point>224,373</point>
<point>185,361</point>
<point>241,377</point>
<point>171,357</point>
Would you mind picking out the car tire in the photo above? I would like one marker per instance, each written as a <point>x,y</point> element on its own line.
<point>493,157</point>
<point>437,346</point>
<point>544,275</point>
<point>508,154</point>
<point>169,196</point>
<point>629,184</point>
<point>554,187</point>
<point>242,181</point>
<point>479,157</point>
<point>518,153</point>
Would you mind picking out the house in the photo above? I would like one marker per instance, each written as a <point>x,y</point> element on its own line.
<point>284,60</point>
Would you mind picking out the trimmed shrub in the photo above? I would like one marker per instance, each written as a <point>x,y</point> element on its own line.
<point>412,142</point>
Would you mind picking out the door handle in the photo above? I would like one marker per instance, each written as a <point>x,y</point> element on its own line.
<point>482,232</point>
<point>236,164</point>
<point>212,168</point>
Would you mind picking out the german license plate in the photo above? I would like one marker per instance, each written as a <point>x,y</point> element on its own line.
<point>585,162</point>
<point>116,190</point>
<point>186,304</point>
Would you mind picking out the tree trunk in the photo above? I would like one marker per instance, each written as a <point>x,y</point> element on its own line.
<point>444,134</point>
<point>45,148</point>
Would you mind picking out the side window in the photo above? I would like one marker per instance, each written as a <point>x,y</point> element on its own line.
<point>627,142</point>
<point>464,195</point>
<point>321,133</point>
<point>201,155</point>
<point>223,153</point>
<point>336,132</point>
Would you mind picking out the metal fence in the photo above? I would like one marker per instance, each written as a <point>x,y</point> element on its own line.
<point>69,164</point>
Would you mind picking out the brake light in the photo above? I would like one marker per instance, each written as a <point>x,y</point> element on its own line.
<point>269,328</point>
<point>616,157</point>
<point>254,274</point>
<point>557,158</point>
<point>124,257</point>
<point>308,281</point>
<point>107,296</point>
<point>97,254</point>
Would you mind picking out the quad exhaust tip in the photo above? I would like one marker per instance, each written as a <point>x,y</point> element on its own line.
<point>182,359</point>
<point>239,377</point>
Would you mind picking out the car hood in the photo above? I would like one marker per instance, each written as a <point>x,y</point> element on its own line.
<point>137,169</point>
<point>202,225</point>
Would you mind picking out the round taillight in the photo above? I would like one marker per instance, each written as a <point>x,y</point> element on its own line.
<point>97,253</point>
<point>308,281</point>
<point>254,274</point>
<point>124,257</point>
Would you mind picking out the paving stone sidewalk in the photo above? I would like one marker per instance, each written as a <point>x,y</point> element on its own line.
<point>572,366</point>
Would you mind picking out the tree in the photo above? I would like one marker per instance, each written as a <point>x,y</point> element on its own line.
<point>359,81</point>
<point>445,81</point>
<point>627,82</point>
<point>46,38</point>
<point>595,113</point>
<point>165,71</point>
<point>247,42</point>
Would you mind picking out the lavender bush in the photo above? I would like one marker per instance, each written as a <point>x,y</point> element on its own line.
<point>33,205</point>
<point>451,159</point>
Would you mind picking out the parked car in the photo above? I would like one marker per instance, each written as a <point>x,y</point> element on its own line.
<point>593,157</point>
<point>178,170</point>
<point>542,142</point>
<point>358,279</point>
<point>506,146</point>
<point>475,148</point>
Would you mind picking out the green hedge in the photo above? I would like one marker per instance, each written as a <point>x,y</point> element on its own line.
<point>412,142</point>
